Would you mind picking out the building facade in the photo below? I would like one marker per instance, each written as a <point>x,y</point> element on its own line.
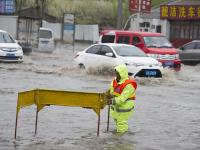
<point>179,21</point>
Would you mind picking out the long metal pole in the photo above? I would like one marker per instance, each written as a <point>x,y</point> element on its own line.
<point>98,124</point>
<point>108,121</point>
<point>36,120</point>
<point>16,125</point>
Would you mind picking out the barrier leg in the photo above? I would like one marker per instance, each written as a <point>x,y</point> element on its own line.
<point>36,120</point>
<point>108,121</point>
<point>16,125</point>
<point>98,124</point>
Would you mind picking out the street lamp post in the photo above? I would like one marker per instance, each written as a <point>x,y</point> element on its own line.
<point>133,16</point>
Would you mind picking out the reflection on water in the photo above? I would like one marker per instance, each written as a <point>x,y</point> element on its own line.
<point>166,115</point>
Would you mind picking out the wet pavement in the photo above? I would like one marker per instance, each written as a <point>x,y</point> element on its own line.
<point>166,114</point>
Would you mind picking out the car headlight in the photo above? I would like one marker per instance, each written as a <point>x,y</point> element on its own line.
<point>158,64</point>
<point>19,49</point>
<point>156,56</point>
<point>177,56</point>
<point>134,64</point>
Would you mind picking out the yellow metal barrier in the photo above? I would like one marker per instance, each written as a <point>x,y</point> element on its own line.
<point>43,97</point>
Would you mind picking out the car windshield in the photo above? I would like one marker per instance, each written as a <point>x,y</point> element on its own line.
<point>129,51</point>
<point>157,41</point>
<point>5,38</point>
<point>45,34</point>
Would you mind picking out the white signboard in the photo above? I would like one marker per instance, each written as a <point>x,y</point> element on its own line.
<point>68,28</point>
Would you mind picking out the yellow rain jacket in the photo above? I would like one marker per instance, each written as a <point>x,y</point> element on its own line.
<point>123,102</point>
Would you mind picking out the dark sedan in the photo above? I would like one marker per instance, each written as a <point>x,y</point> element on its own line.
<point>190,53</point>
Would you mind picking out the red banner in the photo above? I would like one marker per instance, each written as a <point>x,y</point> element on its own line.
<point>144,5</point>
<point>180,12</point>
<point>133,6</point>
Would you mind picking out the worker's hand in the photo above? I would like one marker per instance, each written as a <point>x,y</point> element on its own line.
<point>109,96</point>
<point>110,101</point>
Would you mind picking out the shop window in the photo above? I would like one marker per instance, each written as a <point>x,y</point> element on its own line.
<point>147,24</point>
<point>185,29</point>
<point>142,24</point>
<point>172,31</point>
<point>182,32</point>
<point>195,32</point>
<point>158,29</point>
<point>198,35</point>
<point>153,26</point>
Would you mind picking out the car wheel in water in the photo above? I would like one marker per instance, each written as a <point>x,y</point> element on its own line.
<point>81,66</point>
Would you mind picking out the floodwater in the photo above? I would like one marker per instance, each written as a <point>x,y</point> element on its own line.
<point>167,112</point>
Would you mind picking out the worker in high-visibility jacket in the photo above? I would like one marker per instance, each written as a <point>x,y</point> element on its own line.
<point>122,91</point>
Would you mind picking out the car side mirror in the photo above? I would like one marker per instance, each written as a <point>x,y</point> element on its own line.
<point>16,41</point>
<point>109,54</point>
<point>182,48</point>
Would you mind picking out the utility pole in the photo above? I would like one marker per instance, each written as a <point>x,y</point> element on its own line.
<point>139,12</point>
<point>119,14</point>
<point>37,3</point>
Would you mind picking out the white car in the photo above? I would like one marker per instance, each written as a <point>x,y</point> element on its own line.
<point>10,51</point>
<point>46,41</point>
<point>111,54</point>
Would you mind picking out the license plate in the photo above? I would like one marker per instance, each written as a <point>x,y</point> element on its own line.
<point>45,42</point>
<point>10,55</point>
<point>169,63</point>
<point>150,73</point>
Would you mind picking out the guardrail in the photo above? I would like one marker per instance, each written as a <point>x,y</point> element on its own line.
<point>44,97</point>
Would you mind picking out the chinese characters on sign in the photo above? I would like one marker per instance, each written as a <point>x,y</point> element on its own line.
<point>143,6</point>
<point>7,7</point>
<point>133,5</point>
<point>179,12</point>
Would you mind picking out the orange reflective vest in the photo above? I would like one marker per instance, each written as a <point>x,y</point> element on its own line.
<point>118,88</point>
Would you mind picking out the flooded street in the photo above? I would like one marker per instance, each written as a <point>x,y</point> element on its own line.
<point>167,112</point>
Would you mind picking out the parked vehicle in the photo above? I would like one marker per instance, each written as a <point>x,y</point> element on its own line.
<point>112,54</point>
<point>190,52</point>
<point>10,51</point>
<point>46,40</point>
<point>155,45</point>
